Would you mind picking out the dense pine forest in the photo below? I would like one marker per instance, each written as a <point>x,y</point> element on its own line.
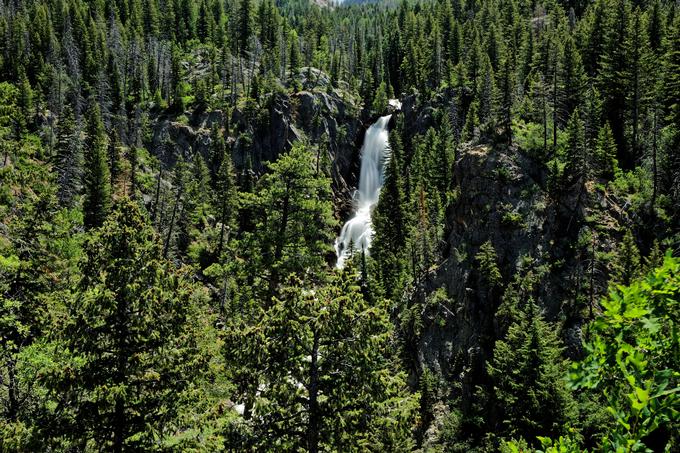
<point>173,175</point>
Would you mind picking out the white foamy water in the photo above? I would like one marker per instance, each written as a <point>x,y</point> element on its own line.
<point>374,152</point>
<point>395,104</point>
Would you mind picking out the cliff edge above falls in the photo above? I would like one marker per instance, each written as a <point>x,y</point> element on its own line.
<point>263,131</point>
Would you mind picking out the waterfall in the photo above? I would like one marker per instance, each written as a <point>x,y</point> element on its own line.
<point>374,152</point>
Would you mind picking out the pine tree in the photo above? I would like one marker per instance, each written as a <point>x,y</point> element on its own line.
<point>592,116</point>
<point>506,98</point>
<point>97,182</point>
<point>492,48</point>
<point>390,221</point>
<point>488,265</point>
<point>114,158</point>
<point>225,200</point>
<point>293,218</point>
<point>294,53</point>
<point>194,203</point>
<point>324,376</point>
<point>444,158</point>
<point>218,150</point>
<point>527,371</point>
<point>671,85</point>
<point>33,275</point>
<point>10,117</point>
<point>572,80</point>
<point>244,26</point>
<point>539,107</point>
<point>68,158</point>
<point>473,63</point>
<point>205,23</point>
<point>654,259</point>
<point>133,341</point>
<point>627,264</point>
<point>176,80</point>
<point>268,23</point>
<point>641,84</point>
<point>169,24</point>
<point>655,27</point>
<point>596,21</point>
<point>471,122</point>
<point>577,164</point>
<point>487,92</point>
<point>26,101</point>
<point>187,19</point>
<point>179,182</point>
<point>613,77</point>
<point>605,153</point>
<point>151,17</point>
<point>380,100</point>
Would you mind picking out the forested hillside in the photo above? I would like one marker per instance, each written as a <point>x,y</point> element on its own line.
<point>174,173</point>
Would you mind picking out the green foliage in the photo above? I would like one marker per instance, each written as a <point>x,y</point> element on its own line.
<point>627,265</point>
<point>244,26</point>
<point>564,444</point>
<point>635,186</point>
<point>576,158</point>
<point>605,153</point>
<point>225,199</point>
<point>38,245</point>
<point>97,177</point>
<point>293,219</point>
<point>68,158</point>
<point>379,105</point>
<point>488,264</point>
<point>318,373</point>
<point>527,371</point>
<point>529,137</point>
<point>513,220</point>
<point>390,220</point>
<point>133,339</point>
<point>102,99</point>
<point>632,356</point>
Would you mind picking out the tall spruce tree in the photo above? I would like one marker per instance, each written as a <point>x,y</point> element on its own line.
<point>390,220</point>
<point>245,26</point>
<point>225,201</point>
<point>627,265</point>
<point>68,160</point>
<point>577,165</point>
<point>671,85</point>
<point>605,153</point>
<point>293,218</point>
<point>572,80</point>
<point>506,97</point>
<point>133,339</point>
<point>324,374</point>
<point>97,182</point>
<point>614,76</point>
<point>527,371</point>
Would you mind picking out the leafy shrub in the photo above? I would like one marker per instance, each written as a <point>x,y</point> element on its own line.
<point>513,219</point>
<point>632,359</point>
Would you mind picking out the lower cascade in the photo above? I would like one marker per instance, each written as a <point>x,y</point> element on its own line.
<point>358,230</point>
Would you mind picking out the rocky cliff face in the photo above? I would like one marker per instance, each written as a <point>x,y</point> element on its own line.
<point>501,198</point>
<point>261,132</point>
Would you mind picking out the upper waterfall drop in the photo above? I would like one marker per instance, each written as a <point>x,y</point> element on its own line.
<point>374,153</point>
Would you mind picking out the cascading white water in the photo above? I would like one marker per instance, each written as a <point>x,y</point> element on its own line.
<point>358,230</point>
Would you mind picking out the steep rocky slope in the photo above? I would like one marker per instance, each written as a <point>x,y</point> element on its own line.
<point>260,133</point>
<point>501,198</point>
